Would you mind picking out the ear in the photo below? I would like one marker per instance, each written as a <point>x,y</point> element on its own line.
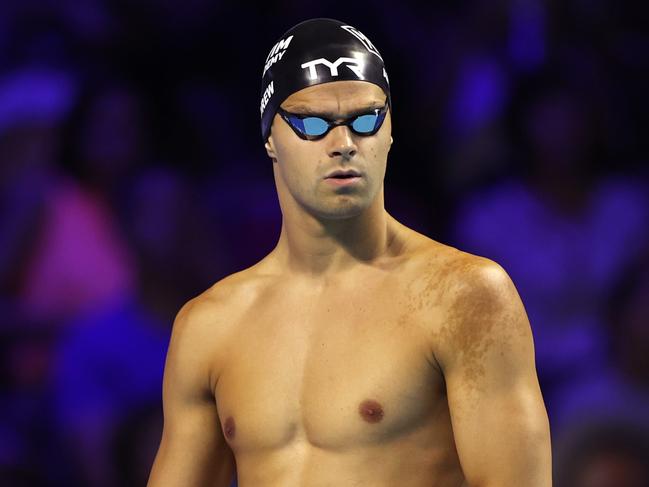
<point>270,148</point>
<point>391,140</point>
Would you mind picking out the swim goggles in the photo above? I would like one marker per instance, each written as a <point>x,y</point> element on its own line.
<point>313,127</point>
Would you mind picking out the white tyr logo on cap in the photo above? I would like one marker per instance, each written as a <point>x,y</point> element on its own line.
<point>356,65</point>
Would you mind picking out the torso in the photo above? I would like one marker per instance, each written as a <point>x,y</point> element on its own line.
<point>337,384</point>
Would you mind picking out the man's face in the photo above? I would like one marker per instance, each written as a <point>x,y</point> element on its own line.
<point>301,166</point>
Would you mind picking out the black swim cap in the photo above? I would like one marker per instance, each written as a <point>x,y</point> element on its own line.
<point>313,52</point>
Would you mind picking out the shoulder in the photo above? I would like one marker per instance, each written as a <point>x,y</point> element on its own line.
<point>477,304</point>
<point>464,277</point>
<point>478,281</point>
<point>456,271</point>
<point>219,307</point>
<point>481,310</point>
<point>203,326</point>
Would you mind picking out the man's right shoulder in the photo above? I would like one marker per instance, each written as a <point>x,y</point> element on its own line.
<point>221,305</point>
<point>203,328</point>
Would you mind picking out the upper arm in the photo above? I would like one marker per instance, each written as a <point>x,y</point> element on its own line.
<point>193,451</point>
<point>486,353</point>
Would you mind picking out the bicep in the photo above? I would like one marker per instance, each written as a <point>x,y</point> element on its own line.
<point>193,451</point>
<point>499,420</point>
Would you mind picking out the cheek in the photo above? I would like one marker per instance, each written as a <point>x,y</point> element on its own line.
<point>382,145</point>
<point>377,152</point>
<point>288,153</point>
<point>296,168</point>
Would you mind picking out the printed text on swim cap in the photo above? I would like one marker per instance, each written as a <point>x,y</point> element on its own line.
<point>268,92</point>
<point>355,65</point>
<point>275,55</point>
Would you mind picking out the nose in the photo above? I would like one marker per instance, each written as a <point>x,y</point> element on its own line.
<point>341,142</point>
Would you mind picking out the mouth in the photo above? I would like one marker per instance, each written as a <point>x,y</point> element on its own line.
<point>343,179</point>
<point>348,174</point>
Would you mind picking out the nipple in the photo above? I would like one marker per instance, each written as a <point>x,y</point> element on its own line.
<point>371,411</point>
<point>229,428</point>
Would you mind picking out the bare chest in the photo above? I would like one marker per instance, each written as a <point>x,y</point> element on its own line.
<point>338,371</point>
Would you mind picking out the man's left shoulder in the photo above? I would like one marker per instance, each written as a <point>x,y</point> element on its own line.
<point>479,276</point>
<point>461,272</point>
<point>481,311</point>
<point>470,285</point>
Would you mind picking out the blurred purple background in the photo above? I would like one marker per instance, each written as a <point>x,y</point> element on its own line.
<point>133,176</point>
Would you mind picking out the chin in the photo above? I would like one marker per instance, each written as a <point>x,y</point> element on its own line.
<point>345,209</point>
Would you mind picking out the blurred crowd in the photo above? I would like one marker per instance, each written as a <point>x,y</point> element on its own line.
<point>133,177</point>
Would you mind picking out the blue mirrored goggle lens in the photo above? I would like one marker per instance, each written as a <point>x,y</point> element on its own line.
<point>365,123</point>
<point>314,126</point>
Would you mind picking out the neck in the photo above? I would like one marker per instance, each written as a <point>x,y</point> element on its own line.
<point>318,247</point>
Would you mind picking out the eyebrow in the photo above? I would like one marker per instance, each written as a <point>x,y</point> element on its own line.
<point>302,109</point>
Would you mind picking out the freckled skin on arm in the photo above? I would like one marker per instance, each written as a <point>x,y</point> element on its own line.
<point>193,451</point>
<point>486,353</point>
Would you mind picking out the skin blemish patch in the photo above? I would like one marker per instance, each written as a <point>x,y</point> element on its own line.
<point>371,411</point>
<point>430,287</point>
<point>229,428</point>
<point>479,322</point>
